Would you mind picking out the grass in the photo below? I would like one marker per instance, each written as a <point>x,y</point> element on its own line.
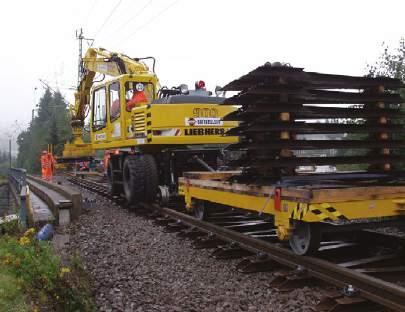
<point>12,297</point>
<point>32,277</point>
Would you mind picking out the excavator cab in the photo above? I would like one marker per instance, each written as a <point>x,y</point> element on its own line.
<point>111,107</point>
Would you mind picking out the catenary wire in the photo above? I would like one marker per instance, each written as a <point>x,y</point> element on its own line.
<point>133,16</point>
<point>107,19</point>
<point>89,12</point>
<point>148,22</point>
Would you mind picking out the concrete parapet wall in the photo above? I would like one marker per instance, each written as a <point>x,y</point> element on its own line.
<point>70,194</point>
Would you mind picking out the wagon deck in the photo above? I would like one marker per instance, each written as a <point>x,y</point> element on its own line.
<point>332,191</point>
<point>306,199</point>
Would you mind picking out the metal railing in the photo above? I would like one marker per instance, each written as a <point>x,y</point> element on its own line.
<point>17,178</point>
<point>18,185</point>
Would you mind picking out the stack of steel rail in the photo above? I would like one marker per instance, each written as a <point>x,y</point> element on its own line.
<point>291,118</point>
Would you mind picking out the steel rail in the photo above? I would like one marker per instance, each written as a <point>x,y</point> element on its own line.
<point>376,290</point>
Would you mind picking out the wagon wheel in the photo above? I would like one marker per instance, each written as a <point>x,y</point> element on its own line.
<point>305,238</point>
<point>200,210</point>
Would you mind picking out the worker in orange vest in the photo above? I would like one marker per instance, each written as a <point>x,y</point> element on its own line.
<point>138,98</point>
<point>44,164</point>
<point>47,165</point>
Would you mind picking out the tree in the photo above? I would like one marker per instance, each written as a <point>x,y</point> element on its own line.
<point>61,127</point>
<point>391,63</point>
<point>44,108</point>
<point>51,126</point>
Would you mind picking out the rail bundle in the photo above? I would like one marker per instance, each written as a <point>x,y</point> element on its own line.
<point>292,118</point>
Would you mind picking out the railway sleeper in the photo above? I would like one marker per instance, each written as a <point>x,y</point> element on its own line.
<point>176,226</point>
<point>208,242</point>
<point>230,252</point>
<point>257,264</point>
<point>288,280</point>
<point>191,233</point>
<point>162,220</point>
<point>335,301</point>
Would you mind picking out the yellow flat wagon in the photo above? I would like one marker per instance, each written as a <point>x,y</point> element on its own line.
<point>297,211</point>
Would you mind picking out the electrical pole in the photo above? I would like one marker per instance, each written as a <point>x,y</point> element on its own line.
<point>80,37</point>
<point>9,150</point>
<point>35,104</point>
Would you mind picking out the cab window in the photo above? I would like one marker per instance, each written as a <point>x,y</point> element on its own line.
<point>115,109</point>
<point>138,94</point>
<point>99,109</point>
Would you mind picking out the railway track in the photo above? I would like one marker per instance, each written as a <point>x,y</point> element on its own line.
<point>367,272</point>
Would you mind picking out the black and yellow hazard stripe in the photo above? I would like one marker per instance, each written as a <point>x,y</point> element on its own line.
<point>299,211</point>
<point>331,210</point>
<point>320,214</point>
<point>294,213</point>
<point>324,212</point>
<point>148,126</point>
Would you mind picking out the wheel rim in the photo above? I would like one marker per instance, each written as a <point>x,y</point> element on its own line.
<point>163,195</point>
<point>126,181</point>
<point>199,210</point>
<point>109,179</point>
<point>305,238</point>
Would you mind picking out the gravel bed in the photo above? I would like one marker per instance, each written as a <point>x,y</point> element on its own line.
<point>136,266</point>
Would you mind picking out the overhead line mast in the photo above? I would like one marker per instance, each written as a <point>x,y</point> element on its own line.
<point>80,69</point>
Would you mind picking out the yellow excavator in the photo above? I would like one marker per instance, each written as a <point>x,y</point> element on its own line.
<point>154,133</point>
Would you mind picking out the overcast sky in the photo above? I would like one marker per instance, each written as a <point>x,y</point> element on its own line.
<point>216,41</point>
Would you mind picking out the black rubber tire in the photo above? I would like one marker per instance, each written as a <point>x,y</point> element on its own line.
<point>140,179</point>
<point>114,188</point>
<point>152,179</point>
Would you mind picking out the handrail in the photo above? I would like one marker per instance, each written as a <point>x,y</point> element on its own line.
<point>17,178</point>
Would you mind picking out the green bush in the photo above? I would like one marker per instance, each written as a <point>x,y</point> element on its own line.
<point>38,271</point>
<point>10,228</point>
